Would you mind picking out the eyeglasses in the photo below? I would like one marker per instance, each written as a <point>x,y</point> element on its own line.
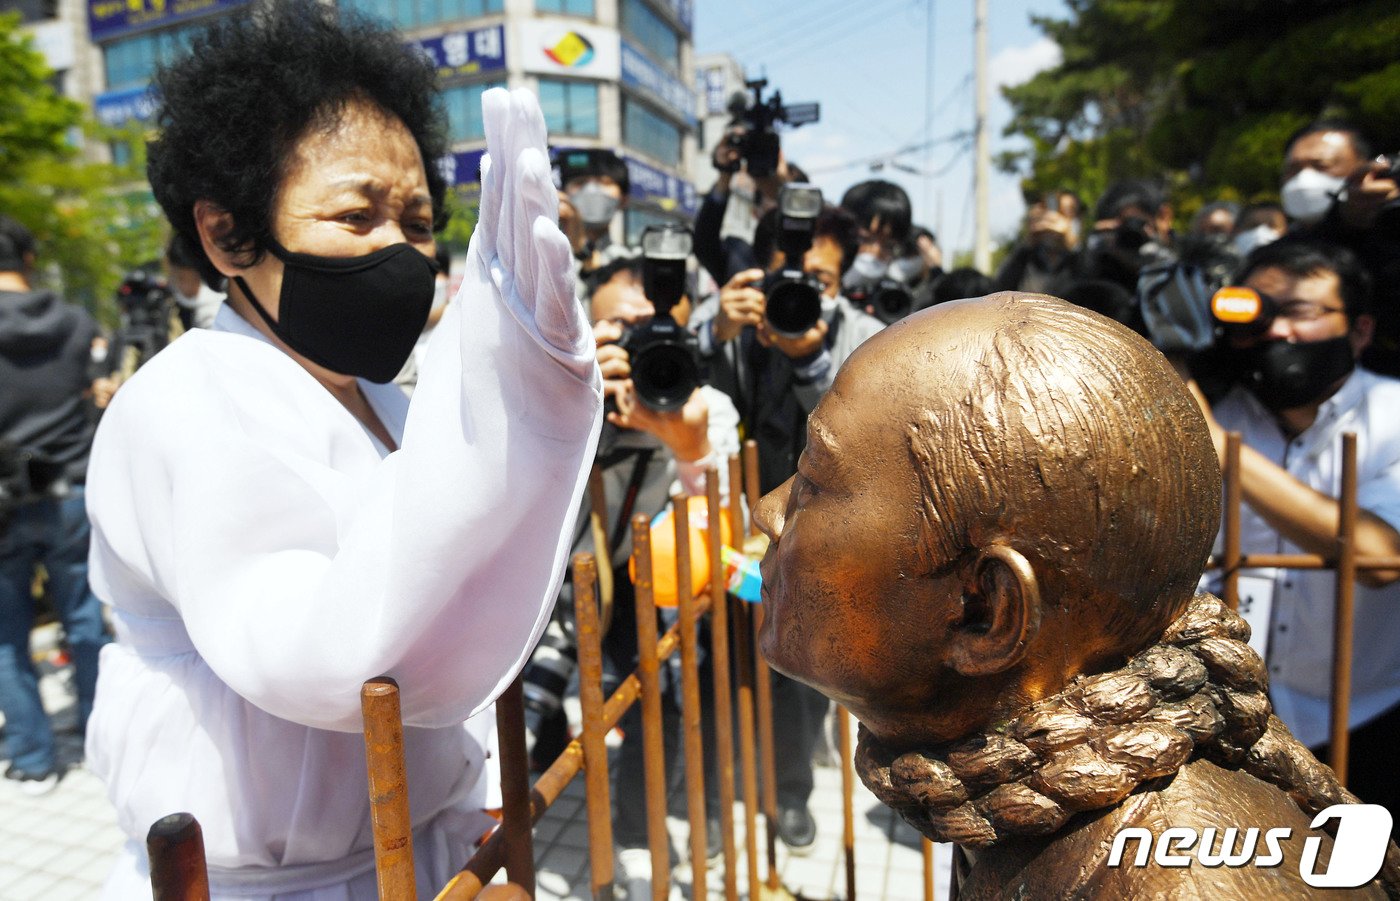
<point>1305,311</point>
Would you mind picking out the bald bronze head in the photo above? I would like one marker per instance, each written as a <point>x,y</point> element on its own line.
<point>997,495</point>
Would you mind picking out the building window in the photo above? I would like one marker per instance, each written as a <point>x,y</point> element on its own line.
<point>652,32</point>
<point>132,62</point>
<point>464,111</point>
<point>570,107</point>
<point>650,133</point>
<point>566,7</point>
<point>409,14</point>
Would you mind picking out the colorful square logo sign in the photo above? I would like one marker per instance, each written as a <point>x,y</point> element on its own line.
<point>555,47</point>
<point>572,50</point>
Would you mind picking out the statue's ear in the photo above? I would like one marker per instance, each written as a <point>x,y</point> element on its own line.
<point>1001,613</point>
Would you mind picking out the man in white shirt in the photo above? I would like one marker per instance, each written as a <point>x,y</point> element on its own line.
<point>1298,391</point>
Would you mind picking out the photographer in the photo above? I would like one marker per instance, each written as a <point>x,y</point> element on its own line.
<point>1045,258</point>
<point>885,273</point>
<point>724,256</point>
<point>1132,230</point>
<point>1298,389</point>
<point>150,317</point>
<point>45,437</point>
<point>645,457</point>
<point>594,186</point>
<point>1335,189</point>
<point>775,376</point>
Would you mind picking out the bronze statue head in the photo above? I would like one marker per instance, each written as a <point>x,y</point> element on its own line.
<point>997,495</point>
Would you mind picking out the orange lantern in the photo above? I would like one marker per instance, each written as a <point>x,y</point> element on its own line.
<point>663,552</point>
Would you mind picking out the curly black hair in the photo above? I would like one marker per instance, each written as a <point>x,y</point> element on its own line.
<point>251,87</point>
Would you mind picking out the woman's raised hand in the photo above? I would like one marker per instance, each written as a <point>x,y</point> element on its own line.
<point>517,230</point>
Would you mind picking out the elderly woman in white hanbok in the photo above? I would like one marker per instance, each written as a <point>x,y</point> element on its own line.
<point>270,530</point>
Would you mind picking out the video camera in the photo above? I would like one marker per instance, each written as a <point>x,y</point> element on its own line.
<point>1242,313</point>
<point>758,141</point>
<point>793,299</point>
<point>146,302</point>
<point>665,357</point>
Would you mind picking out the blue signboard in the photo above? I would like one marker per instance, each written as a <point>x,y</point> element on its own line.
<point>462,168</point>
<point>117,108</point>
<point>466,52</point>
<point>663,87</point>
<point>108,19</point>
<point>666,191</point>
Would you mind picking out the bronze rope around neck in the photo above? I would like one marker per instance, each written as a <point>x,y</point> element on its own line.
<point>1199,692</point>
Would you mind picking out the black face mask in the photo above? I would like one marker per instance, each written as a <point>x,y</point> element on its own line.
<point>356,316</point>
<point>1283,375</point>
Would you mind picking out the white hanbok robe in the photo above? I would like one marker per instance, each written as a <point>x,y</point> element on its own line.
<point>263,556</point>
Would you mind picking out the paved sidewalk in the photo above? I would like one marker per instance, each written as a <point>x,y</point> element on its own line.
<point>61,846</point>
<point>889,856</point>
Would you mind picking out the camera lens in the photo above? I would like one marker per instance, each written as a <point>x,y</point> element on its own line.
<point>891,302</point>
<point>793,306</point>
<point>1131,234</point>
<point>665,375</point>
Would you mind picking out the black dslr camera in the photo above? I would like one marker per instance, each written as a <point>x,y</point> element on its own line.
<point>665,357</point>
<point>145,301</point>
<point>888,299</point>
<point>758,140</point>
<point>793,299</point>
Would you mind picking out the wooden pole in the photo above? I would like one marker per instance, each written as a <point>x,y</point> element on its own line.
<point>653,726</point>
<point>724,711</point>
<point>848,782</point>
<point>516,822</point>
<point>763,686</point>
<point>1234,500</point>
<point>595,751</point>
<point>175,846</point>
<point>690,700</point>
<point>1342,623</point>
<point>744,654</point>
<point>927,847</point>
<point>388,789</point>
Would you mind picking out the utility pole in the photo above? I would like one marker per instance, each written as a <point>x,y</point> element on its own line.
<point>929,189</point>
<point>982,171</point>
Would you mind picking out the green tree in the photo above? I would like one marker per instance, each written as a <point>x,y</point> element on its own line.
<point>92,220</point>
<point>1203,95</point>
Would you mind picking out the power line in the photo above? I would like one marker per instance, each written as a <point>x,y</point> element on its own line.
<point>928,101</point>
<point>891,155</point>
<point>810,21</point>
<point>873,14</point>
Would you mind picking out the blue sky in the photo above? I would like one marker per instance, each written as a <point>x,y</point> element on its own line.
<point>865,63</point>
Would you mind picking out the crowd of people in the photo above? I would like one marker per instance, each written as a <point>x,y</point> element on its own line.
<point>273,522</point>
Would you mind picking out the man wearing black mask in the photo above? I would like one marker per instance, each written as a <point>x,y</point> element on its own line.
<point>1298,390</point>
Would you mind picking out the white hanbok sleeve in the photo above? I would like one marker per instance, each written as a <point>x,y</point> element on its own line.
<point>298,578</point>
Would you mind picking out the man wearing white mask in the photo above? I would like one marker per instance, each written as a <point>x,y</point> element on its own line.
<point>1258,224</point>
<point>1336,189</point>
<point>594,185</point>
